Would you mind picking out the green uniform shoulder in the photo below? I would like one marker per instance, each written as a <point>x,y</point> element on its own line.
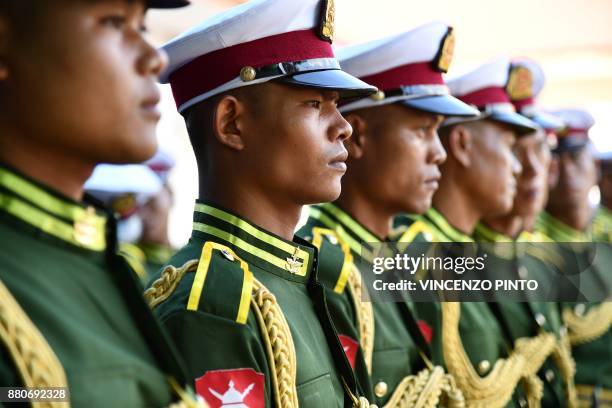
<point>215,281</point>
<point>412,228</point>
<point>335,258</point>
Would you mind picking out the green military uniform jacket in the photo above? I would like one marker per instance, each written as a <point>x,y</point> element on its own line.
<point>71,311</point>
<point>248,315</point>
<point>527,319</point>
<point>588,323</point>
<point>386,343</point>
<point>601,226</point>
<point>467,338</point>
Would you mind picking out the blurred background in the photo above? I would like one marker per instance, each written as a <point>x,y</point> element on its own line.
<point>571,39</point>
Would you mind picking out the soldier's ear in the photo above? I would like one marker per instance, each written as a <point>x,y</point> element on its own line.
<point>553,172</point>
<point>227,122</point>
<point>356,143</point>
<point>460,144</point>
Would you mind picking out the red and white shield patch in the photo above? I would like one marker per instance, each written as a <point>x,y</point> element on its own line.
<point>239,388</point>
<point>350,347</point>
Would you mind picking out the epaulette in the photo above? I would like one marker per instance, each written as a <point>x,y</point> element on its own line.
<point>135,257</point>
<point>335,258</point>
<point>218,283</point>
<point>417,231</point>
<point>34,359</point>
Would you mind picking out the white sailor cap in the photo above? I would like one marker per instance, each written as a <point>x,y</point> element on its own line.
<point>486,89</point>
<point>262,40</point>
<point>407,68</point>
<point>162,163</point>
<point>525,83</point>
<point>575,134</point>
<point>123,188</point>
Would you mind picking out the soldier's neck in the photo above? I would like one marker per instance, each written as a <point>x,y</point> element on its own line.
<point>274,214</point>
<point>578,217</point>
<point>456,206</point>
<point>369,213</point>
<point>59,171</point>
<point>509,225</point>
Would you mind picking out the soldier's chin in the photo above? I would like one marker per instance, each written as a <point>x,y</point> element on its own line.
<point>324,192</point>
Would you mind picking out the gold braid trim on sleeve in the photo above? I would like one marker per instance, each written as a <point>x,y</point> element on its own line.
<point>496,389</point>
<point>365,316</point>
<point>36,362</point>
<point>534,389</point>
<point>562,356</point>
<point>166,284</point>
<point>427,389</point>
<point>594,324</point>
<point>279,345</point>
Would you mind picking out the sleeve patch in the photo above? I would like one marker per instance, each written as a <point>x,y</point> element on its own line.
<point>242,387</point>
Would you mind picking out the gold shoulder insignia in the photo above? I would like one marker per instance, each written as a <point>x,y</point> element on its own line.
<point>520,83</point>
<point>34,358</point>
<point>446,52</point>
<point>327,26</point>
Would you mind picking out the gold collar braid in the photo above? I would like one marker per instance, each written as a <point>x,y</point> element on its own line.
<point>36,362</point>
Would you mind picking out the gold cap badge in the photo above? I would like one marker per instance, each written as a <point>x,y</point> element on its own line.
<point>520,84</point>
<point>248,74</point>
<point>328,15</point>
<point>447,51</point>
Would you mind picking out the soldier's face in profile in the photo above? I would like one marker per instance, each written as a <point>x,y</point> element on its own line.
<point>493,167</point>
<point>533,153</point>
<point>400,157</point>
<point>294,143</point>
<point>82,80</point>
<point>576,176</point>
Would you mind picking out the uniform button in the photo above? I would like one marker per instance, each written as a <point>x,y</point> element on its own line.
<point>563,331</point>
<point>229,256</point>
<point>428,236</point>
<point>523,402</point>
<point>381,389</point>
<point>550,375</point>
<point>579,309</point>
<point>483,367</point>
<point>540,319</point>
<point>523,272</point>
<point>333,240</point>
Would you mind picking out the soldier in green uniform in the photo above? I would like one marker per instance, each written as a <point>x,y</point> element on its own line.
<point>510,260</point>
<point>394,155</point>
<point>242,299</point>
<point>602,222</point>
<point>478,180</point>
<point>77,87</point>
<point>566,221</point>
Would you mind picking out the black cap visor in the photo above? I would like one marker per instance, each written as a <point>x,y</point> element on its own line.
<point>445,105</point>
<point>337,80</point>
<point>167,4</point>
<point>519,123</point>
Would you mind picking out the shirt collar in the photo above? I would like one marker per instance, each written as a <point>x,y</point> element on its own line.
<point>484,233</point>
<point>292,260</point>
<point>76,223</point>
<point>447,231</point>
<point>558,230</point>
<point>351,231</point>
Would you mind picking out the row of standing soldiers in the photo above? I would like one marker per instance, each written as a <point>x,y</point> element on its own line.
<point>250,313</point>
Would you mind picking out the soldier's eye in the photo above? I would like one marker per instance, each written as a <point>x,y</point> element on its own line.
<point>115,21</point>
<point>314,103</point>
